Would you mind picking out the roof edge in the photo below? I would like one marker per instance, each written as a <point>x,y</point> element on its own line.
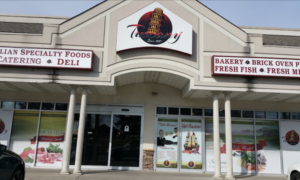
<point>83,12</point>
<point>269,28</point>
<point>33,16</point>
<point>221,16</point>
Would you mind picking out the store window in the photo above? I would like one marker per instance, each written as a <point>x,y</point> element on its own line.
<point>285,115</point>
<point>7,104</point>
<point>161,110</point>
<point>268,147</point>
<point>272,115</point>
<point>34,105</point>
<point>23,135</point>
<point>51,139</point>
<point>197,112</point>
<point>296,116</point>
<point>260,114</point>
<point>20,105</point>
<point>191,154</point>
<point>47,106</point>
<point>185,111</point>
<point>5,126</point>
<point>247,114</point>
<point>243,145</point>
<point>208,112</point>
<point>167,149</point>
<point>222,113</point>
<point>173,111</point>
<point>61,106</point>
<point>236,113</point>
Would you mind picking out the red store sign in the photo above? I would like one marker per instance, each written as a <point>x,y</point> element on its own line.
<point>46,58</point>
<point>255,66</point>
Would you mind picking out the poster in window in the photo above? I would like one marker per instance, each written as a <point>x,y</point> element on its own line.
<point>24,129</point>
<point>268,147</point>
<point>290,141</point>
<point>243,145</point>
<point>191,144</point>
<point>51,139</point>
<point>5,126</point>
<point>167,132</point>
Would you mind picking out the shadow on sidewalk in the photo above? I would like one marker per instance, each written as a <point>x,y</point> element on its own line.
<point>103,171</point>
<point>241,176</point>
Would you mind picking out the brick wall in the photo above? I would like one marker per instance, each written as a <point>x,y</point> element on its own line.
<point>148,159</point>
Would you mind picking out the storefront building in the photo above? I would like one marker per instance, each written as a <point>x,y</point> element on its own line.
<point>150,85</point>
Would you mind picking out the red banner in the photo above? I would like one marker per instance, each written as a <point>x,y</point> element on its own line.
<point>245,147</point>
<point>48,139</point>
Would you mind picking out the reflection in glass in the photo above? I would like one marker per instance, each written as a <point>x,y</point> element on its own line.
<point>285,115</point>
<point>34,105</point>
<point>61,106</point>
<point>272,115</point>
<point>197,112</point>
<point>236,113</point>
<point>7,104</point>
<point>47,106</point>
<point>295,116</point>
<point>185,111</point>
<point>125,149</point>
<point>222,113</point>
<point>161,110</point>
<point>173,111</point>
<point>208,112</point>
<point>247,114</point>
<point>20,105</point>
<point>96,139</point>
<point>260,114</point>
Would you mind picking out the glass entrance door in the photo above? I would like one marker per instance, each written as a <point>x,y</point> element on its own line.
<point>125,143</point>
<point>109,140</point>
<point>96,139</point>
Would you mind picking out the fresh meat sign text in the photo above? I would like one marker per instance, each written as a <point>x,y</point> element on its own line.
<point>154,27</point>
<point>255,66</point>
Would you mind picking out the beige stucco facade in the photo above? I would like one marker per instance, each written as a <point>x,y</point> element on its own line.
<point>130,77</point>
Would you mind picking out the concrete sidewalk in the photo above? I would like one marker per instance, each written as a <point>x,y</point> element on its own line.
<point>46,174</point>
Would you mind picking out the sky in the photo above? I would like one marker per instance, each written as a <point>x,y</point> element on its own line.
<point>260,13</point>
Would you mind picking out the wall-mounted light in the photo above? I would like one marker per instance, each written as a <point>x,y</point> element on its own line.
<point>154,93</point>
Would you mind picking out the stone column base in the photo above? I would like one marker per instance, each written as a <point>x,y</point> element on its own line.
<point>148,159</point>
<point>229,178</point>
<point>65,172</point>
<point>217,177</point>
<point>77,172</point>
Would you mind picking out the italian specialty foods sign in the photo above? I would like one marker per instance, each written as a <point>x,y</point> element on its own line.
<point>255,66</point>
<point>154,27</point>
<point>46,58</point>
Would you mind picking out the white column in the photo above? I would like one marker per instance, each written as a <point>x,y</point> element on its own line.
<point>228,136</point>
<point>80,137</point>
<point>216,136</point>
<point>69,133</point>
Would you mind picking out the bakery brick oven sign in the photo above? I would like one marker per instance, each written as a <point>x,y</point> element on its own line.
<point>154,27</point>
<point>255,66</point>
<point>46,58</point>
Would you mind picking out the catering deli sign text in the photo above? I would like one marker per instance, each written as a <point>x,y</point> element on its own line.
<point>255,66</point>
<point>46,58</point>
<point>154,27</point>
